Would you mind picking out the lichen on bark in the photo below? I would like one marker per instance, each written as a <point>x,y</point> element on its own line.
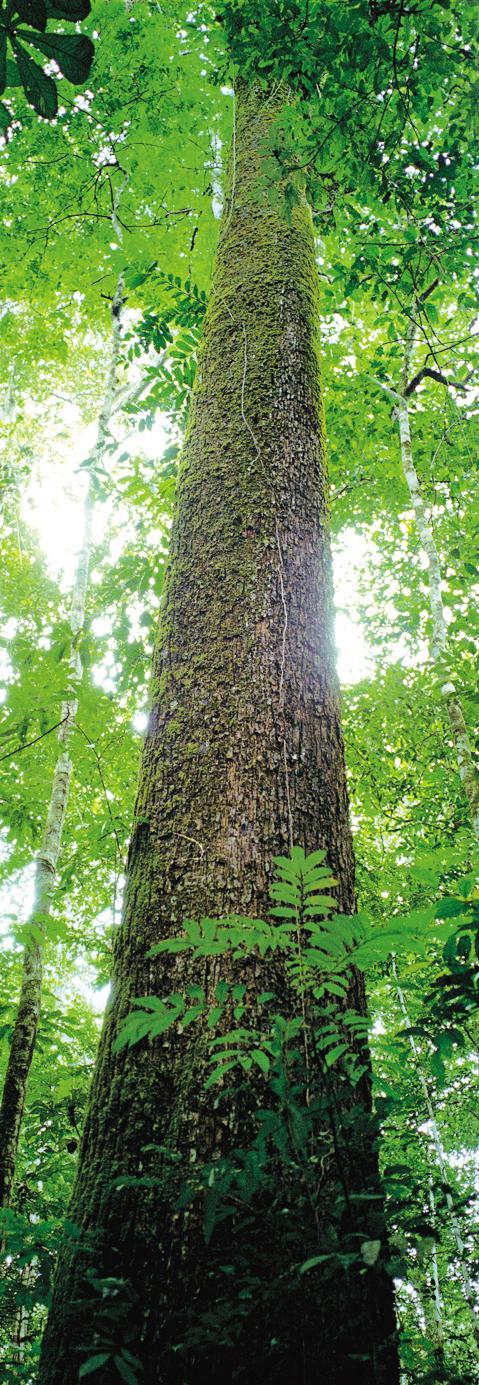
<point>243,755</point>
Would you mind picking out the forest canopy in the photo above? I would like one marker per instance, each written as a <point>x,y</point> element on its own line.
<point>239,324</point>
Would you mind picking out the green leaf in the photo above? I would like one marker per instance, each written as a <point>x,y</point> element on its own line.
<point>298,855</point>
<point>32,12</point>
<point>323,904</point>
<point>190,1015</point>
<point>5,118</point>
<point>219,1072</point>
<point>314,859</point>
<point>13,75</point>
<point>432,312</point>
<point>214,1016</point>
<point>370,1250</point>
<point>285,893</point>
<point>261,1059</point>
<point>424,875</point>
<point>311,1264</point>
<point>333,1054</point>
<point>67,9</point>
<point>125,1371</point>
<point>322,882</point>
<point>39,89</point>
<point>284,866</point>
<point>333,987</point>
<point>94,1363</point>
<point>449,908</point>
<point>73,52</point>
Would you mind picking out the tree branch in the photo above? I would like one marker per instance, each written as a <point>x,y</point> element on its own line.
<point>391,394</point>
<point>435,284</point>
<point>433,375</point>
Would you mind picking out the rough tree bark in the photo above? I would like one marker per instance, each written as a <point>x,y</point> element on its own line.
<point>243,756</point>
<point>29,1006</point>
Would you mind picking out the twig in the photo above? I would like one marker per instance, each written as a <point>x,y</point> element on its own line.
<point>92,747</point>
<point>25,745</point>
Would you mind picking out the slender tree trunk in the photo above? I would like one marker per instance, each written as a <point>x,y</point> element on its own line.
<point>243,756</point>
<point>437,1332</point>
<point>435,1134</point>
<point>29,1007</point>
<point>22,1318</point>
<point>457,722</point>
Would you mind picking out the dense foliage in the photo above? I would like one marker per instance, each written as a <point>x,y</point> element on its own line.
<point>126,177</point>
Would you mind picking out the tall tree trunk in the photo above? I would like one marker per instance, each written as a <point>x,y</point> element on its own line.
<point>243,756</point>
<point>28,1013</point>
